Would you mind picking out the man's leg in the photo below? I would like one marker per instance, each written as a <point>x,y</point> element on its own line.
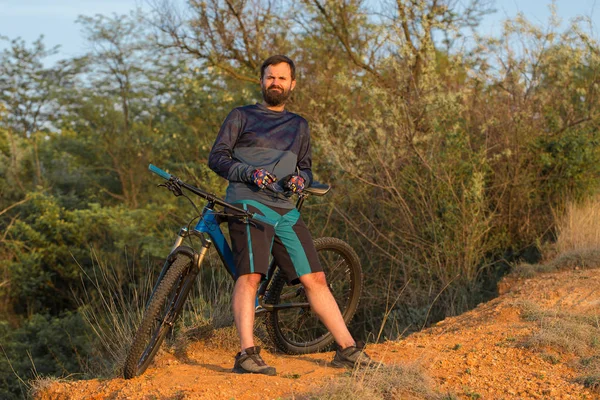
<point>324,305</point>
<point>250,244</point>
<point>248,360</point>
<point>349,354</point>
<point>296,254</point>
<point>244,295</point>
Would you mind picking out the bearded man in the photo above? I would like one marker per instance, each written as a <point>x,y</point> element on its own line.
<point>256,145</point>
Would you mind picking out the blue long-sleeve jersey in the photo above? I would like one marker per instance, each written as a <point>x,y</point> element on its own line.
<point>254,137</point>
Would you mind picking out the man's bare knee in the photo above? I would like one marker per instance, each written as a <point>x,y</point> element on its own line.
<point>314,280</point>
<point>249,280</point>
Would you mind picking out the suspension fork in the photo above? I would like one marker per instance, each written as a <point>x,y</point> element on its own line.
<point>191,278</point>
<point>196,257</point>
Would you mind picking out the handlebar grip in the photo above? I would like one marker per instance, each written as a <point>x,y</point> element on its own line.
<point>159,172</point>
<point>263,219</point>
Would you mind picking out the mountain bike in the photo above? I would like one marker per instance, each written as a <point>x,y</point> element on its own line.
<point>291,325</point>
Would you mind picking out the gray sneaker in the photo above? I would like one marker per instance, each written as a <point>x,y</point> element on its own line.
<point>350,357</point>
<point>252,363</point>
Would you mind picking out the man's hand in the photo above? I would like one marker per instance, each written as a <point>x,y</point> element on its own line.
<point>262,178</point>
<point>295,184</point>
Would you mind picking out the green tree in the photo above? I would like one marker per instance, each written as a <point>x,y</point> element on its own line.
<point>28,94</point>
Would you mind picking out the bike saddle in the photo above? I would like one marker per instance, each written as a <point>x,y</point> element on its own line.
<point>318,189</point>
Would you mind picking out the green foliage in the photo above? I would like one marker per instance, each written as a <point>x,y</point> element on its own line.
<point>443,160</point>
<point>44,345</point>
<point>52,246</point>
<point>461,167</point>
<point>568,162</point>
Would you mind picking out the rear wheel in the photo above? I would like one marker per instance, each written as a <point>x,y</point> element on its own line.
<point>297,330</point>
<point>162,311</point>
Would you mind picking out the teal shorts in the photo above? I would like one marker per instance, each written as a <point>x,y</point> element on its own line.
<point>290,243</point>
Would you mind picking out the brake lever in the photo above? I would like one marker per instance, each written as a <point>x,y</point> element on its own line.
<point>173,186</point>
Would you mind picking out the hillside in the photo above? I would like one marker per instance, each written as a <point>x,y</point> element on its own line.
<point>524,344</point>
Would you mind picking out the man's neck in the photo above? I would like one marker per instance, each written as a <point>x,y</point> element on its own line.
<point>279,108</point>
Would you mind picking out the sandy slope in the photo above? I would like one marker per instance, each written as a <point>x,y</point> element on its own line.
<point>476,355</point>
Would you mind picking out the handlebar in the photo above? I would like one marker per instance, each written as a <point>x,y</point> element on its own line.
<point>159,172</point>
<point>315,189</point>
<point>210,197</point>
<point>274,187</point>
<point>278,191</point>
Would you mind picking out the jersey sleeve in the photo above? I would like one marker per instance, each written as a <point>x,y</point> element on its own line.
<point>305,155</point>
<point>221,158</point>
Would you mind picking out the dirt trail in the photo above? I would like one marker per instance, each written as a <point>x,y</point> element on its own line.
<point>478,355</point>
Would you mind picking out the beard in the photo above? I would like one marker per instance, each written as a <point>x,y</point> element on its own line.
<point>274,97</point>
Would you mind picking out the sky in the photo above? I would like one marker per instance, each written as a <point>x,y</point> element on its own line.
<point>55,19</point>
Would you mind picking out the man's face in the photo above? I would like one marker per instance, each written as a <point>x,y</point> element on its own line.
<point>277,84</point>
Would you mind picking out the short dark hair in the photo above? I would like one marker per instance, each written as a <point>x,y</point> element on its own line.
<point>278,59</point>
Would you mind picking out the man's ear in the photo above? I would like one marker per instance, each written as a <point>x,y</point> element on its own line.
<point>293,85</point>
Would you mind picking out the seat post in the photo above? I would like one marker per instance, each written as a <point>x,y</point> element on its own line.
<point>300,201</point>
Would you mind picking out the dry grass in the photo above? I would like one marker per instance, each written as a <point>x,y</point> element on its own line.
<point>578,243</point>
<point>579,228</point>
<point>115,301</point>
<point>577,334</point>
<point>400,381</point>
<point>41,385</point>
<point>585,258</point>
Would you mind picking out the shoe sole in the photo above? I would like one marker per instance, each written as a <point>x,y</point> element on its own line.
<point>267,371</point>
<point>350,364</point>
<point>338,364</point>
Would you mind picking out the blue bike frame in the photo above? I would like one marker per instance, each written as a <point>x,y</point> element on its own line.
<point>208,225</point>
<point>208,230</point>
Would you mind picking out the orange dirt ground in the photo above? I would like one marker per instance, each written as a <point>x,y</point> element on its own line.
<point>475,355</point>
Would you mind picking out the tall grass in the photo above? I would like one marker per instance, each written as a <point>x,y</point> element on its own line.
<point>113,303</point>
<point>577,244</point>
<point>115,298</point>
<point>579,227</point>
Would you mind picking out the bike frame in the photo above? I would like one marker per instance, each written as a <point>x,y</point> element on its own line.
<point>209,232</point>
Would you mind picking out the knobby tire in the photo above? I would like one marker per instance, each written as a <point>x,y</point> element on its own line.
<point>160,315</point>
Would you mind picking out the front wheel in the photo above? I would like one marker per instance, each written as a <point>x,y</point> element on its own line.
<point>162,311</point>
<point>298,330</point>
